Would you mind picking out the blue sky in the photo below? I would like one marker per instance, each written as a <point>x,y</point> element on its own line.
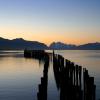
<point>69,21</point>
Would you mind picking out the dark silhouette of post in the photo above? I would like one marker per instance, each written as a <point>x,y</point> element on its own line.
<point>89,87</point>
<point>42,94</point>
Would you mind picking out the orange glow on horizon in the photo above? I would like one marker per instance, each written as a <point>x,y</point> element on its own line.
<point>76,38</point>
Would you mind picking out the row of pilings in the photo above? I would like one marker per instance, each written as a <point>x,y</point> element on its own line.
<point>40,55</point>
<point>73,81</point>
<point>70,79</point>
<point>37,54</point>
<point>42,93</point>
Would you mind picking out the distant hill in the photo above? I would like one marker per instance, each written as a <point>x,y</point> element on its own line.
<point>59,45</point>
<point>89,46</point>
<point>62,46</point>
<point>20,43</point>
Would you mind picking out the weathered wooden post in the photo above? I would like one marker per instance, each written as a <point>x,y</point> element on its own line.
<point>76,75</point>
<point>80,76</point>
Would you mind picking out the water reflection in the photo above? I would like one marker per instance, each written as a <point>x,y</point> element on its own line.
<point>29,79</point>
<point>19,77</point>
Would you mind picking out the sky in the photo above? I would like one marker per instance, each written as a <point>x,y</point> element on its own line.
<point>68,21</point>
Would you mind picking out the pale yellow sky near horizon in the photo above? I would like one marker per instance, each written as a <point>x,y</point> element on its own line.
<point>69,38</point>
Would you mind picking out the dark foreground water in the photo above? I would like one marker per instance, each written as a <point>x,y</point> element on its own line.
<point>20,77</point>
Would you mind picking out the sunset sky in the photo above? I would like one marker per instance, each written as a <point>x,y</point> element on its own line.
<point>68,21</point>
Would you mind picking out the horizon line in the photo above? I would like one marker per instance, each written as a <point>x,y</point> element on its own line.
<point>51,42</point>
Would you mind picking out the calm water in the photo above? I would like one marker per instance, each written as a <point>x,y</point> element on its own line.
<point>20,77</point>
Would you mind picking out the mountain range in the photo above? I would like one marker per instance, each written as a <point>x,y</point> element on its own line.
<point>88,46</point>
<point>20,44</point>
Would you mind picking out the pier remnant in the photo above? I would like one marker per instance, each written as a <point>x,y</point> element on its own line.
<point>73,81</point>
